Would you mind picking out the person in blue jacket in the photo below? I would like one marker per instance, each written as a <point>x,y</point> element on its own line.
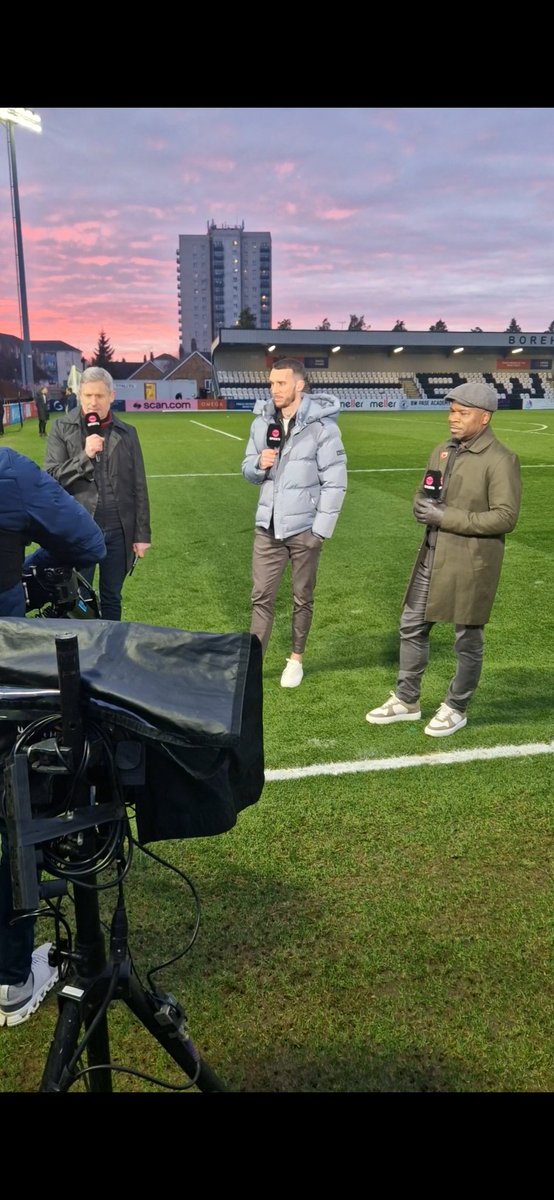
<point>33,508</point>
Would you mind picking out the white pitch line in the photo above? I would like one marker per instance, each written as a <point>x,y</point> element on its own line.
<point>350,470</point>
<point>201,475</point>
<point>397,470</point>
<point>212,430</point>
<point>447,758</point>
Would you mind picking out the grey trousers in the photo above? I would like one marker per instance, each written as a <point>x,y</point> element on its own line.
<point>269,561</point>
<point>414,648</point>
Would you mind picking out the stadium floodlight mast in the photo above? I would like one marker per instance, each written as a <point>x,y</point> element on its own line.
<point>28,120</point>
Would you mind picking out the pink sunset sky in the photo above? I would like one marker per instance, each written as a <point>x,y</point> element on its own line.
<point>416,214</point>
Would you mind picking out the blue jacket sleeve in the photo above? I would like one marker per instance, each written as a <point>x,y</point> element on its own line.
<point>59,524</point>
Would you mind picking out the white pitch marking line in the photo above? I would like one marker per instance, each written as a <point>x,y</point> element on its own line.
<point>447,758</point>
<point>212,430</point>
<point>201,475</point>
<point>397,470</point>
<point>350,470</point>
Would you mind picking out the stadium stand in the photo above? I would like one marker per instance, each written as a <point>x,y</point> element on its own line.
<point>388,386</point>
<point>372,371</point>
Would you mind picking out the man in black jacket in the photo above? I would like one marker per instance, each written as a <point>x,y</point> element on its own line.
<point>98,459</point>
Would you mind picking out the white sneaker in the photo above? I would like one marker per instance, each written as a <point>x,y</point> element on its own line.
<point>292,674</point>
<point>19,1001</point>
<point>394,710</point>
<point>445,721</point>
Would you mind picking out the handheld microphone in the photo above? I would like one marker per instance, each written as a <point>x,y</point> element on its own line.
<point>274,435</point>
<point>432,484</point>
<point>93,424</point>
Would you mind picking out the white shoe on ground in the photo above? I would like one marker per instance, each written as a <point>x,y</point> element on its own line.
<point>292,674</point>
<point>19,1000</point>
<point>394,710</point>
<point>446,720</point>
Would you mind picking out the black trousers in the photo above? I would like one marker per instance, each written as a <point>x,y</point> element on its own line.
<point>112,572</point>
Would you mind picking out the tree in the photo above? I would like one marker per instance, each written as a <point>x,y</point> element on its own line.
<point>399,327</point>
<point>438,327</point>
<point>513,327</point>
<point>285,324</point>
<point>476,329</point>
<point>357,322</point>
<point>325,324</point>
<point>246,319</point>
<point>104,352</point>
<point>550,328</point>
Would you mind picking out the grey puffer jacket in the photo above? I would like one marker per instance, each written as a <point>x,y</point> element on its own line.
<point>306,486</point>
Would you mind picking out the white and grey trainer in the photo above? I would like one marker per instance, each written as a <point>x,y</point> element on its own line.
<point>446,720</point>
<point>394,709</point>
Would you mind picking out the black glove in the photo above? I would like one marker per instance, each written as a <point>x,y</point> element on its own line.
<point>428,512</point>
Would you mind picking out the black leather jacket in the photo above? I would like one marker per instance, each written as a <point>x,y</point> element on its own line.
<point>67,462</point>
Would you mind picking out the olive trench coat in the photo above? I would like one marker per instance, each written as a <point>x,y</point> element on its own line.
<point>482,502</point>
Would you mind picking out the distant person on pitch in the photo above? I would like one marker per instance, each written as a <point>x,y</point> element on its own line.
<point>41,401</point>
<point>468,500</point>
<point>70,400</point>
<point>296,457</point>
<point>98,459</point>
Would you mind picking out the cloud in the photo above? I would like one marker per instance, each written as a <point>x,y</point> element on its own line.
<point>337,214</point>
<point>417,213</point>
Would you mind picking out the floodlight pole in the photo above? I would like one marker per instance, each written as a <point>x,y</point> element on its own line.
<point>27,361</point>
<point>30,120</point>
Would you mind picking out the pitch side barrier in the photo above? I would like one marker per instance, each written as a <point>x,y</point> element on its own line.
<point>352,405</point>
<point>17,411</point>
<point>408,405</point>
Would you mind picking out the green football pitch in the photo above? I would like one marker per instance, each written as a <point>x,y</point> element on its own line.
<point>381,920</point>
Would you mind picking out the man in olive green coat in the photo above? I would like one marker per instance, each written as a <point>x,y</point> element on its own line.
<point>458,566</point>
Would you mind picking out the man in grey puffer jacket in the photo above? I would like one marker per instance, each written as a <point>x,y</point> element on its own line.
<point>295,454</point>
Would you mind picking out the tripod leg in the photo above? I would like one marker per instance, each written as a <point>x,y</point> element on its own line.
<point>98,1054</point>
<point>67,1034</point>
<point>151,1012</point>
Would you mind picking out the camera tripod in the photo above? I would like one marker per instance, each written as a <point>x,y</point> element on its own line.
<point>84,998</point>
<point>71,843</point>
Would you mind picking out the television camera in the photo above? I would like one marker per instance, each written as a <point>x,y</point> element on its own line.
<point>175,734</point>
<point>59,592</point>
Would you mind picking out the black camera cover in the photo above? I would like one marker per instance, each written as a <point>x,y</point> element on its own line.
<point>194,700</point>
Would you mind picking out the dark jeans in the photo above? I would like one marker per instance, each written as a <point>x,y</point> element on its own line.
<point>113,570</point>
<point>17,940</point>
<point>414,648</point>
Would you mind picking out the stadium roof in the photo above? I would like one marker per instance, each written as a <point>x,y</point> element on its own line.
<point>322,341</point>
